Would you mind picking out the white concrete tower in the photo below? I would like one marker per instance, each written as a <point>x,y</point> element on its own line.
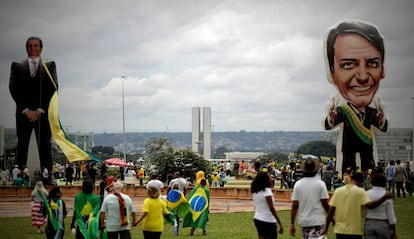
<point>207,132</point>
<point>195,139</point>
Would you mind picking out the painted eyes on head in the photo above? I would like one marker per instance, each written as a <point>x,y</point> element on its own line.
<point>349,65</point>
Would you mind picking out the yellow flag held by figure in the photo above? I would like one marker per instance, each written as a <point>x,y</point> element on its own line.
<point>70,149</point>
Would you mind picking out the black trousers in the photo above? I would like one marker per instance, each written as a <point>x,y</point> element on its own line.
<point>400,187</point>
<point>24,130</point>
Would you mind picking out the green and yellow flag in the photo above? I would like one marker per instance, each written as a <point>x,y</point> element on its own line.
<point>69,148</point>
<point>87,205</point>
<point>199,200</point>
<point>177,203</point>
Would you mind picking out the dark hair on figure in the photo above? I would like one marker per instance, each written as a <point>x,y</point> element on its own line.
<point>34,38</point>
<point>367,31</point>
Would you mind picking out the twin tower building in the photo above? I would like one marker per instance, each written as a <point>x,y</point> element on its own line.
<point>201,142</point>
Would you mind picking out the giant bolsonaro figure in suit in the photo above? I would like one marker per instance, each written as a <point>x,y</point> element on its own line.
<point>355,65</point>
<point>31,89</point>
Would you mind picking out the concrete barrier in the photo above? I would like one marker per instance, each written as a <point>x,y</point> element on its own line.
<point>137,191</point>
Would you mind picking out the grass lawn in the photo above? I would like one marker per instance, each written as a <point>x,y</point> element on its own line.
<point>221,225</point>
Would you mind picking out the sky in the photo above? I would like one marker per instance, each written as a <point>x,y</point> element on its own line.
<point>259,65</point>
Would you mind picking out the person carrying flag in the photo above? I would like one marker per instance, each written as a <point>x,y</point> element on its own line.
<point>177,204</point>
<point>56,213</point>
<point>199,199</point>
<point>86,212</point>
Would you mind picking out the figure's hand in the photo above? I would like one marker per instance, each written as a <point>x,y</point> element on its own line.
<point>39,112</point>
<point>32,115</point>
<point>379,105</point>
<point>332,112</point>
<point>325,231</point>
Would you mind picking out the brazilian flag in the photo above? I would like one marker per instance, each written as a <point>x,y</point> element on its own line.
<point>199,200</point>
<point>55,223</point>
<point>87,205</point>
<point>177,203</point>
<point>69,148</point>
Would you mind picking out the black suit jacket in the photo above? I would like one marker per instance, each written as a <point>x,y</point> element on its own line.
<point>32,92</point>
<point>350,141</point>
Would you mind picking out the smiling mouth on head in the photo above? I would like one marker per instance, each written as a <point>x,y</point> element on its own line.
<point>361,88</point>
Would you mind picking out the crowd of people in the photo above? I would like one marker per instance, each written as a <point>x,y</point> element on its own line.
<point>112,213</point>
<point>311,201</point>
<point>362,197</point>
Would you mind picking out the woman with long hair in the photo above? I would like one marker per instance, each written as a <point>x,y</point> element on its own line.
<point>38,218</point>
<point>265,219</point>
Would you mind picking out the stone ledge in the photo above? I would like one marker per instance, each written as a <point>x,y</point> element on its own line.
<point>136,191</point>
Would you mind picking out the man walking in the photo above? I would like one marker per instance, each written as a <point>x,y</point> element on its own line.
<point>310,201</point>
<point>390,175</point>
<point>182,182</point>
<point>116,210</point>
<point>400,178</point>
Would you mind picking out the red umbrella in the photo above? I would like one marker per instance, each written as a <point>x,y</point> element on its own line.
<point>115,161</point>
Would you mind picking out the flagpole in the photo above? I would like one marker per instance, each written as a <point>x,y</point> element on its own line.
<point>123,119</point>
<point>412,134</point>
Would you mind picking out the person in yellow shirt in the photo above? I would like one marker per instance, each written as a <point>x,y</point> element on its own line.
<point>141,176</point>
<point>347,204</point>
<point>153,212</point>
<point>215,178</point>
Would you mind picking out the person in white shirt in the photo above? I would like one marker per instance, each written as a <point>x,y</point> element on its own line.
<point>117,213</point>
<point>309,201</point>
<point>182,182</point>
<point>131,172</point>
<point>228,168</point>
<point>25,170</point>
<point>15,172</point>
<point>265,218</point>
<point>380,222</point>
